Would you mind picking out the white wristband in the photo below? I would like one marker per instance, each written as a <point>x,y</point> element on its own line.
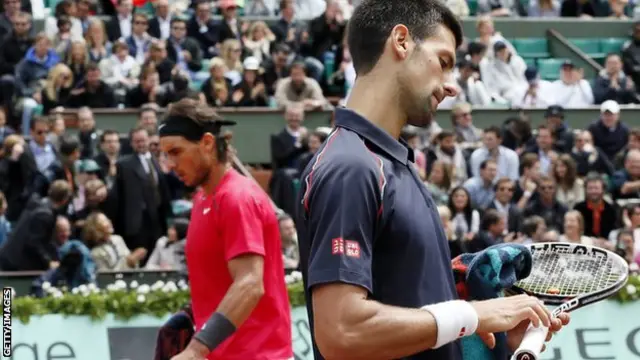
<point>455,319</point>
<point>527,194</point>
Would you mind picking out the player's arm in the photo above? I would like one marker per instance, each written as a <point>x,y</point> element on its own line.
<point>241,232</point>
<point>342,208</point>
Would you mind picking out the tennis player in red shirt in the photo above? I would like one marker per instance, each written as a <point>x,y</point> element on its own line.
<point>240,303</point>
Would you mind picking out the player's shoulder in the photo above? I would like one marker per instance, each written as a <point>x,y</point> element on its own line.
<point>241,190</point>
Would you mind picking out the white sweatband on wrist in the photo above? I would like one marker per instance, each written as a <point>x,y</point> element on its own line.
<point>455,319</point>
<point>527,194</point>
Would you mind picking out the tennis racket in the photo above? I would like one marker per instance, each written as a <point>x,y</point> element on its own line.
<point>571,276</point>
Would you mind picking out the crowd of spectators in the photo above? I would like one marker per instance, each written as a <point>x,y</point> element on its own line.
<point>110,197</point>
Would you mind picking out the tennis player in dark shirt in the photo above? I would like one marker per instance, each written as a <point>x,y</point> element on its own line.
<point>374,256</point>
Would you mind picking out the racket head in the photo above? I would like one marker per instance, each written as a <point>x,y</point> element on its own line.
<point>564,271</point>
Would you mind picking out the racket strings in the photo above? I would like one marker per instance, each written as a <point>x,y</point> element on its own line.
<point>564,273</point>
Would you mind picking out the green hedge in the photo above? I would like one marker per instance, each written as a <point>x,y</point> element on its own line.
<point>125,301</point>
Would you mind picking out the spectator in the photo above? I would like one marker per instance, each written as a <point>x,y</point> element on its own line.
<point>83,13</point>
<point>572,90</point>
<point>469,136</point>
<point>544,149</point>
<point>459,7</point>
<point>17,171</point>
<point>287,30</point>
<point>562,134</point>
<point>61,42</point>
<point>506,159</point>
<point>314,142</point>
<point>627,246</point>
<point>535,93</point>
<point>120,71</point>
<point>160,24</point>
<point>504,204</point>
<point>307,10</point>
<point>42,150</point>
<point>63,168</point>
<point>30,246</point>
<point>527,183</point>
<point>632,144</point>
<point>95,195</point>
<point>574,229</point>
<point>14,45</point>
<point>630,222</point>
<point>92,91</point>
<point>276,68</point>
<point>178,88</point>
<point>491,231</point>
<point>588,157</point>
<point>327,31</point>
<point>108,157</point>
<point>546,205</point>
<point>203,29</point>
<point>57,88</point>
<point>544,8</point>
<point>86,170</point>
<point>300,88</point>
<point>251,91</point>
<point>570,186</point>
<point>140,184</point>
<point>582,9</point>
<point>612,83</point>
<point>617,8</point>
<point>182,50</point>
<point>631,54</point>
<point>290,143</point>
<point>4,129</point>
<point>599,216</point>
<point>413,141</point>
<point>230,27</point>
<point>503,73</point>
<point>534,229</point>
<point>259,41</point>
<point>481,188</point>
<point>216,83</point>
<point>231,54</point>
<point>158,57</point>
<point>88,134</point>
<point>471,88</point>
<point>107,249</point>
<point>139,40</point>
<point>170,248</point>
<point>446,149</point>
<point>440,182</point>
<point>147,91</point>
<point>465,219</point>
<point>65,9</point>
<point>120,25</point>
<point>517,134</point>
<point>5,225</point>
<point>625,183</point>
<point>290,252</point>
<point>98,45</point>
<point>488,36</point>
<point>11,9</point>
<point>58,127</point>
<point>609,134</point>
<point>77,60</point>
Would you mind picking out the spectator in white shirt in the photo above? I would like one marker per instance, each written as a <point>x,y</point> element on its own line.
<point>160,25</point>
<point>534,94</point>
<point>572,90</point>
<point>507,159</point>
<point>504,73</point>
<point>470,88</point>
<point>139,41</point>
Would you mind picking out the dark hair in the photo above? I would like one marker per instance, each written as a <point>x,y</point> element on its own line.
<point>500,182</point>
<point>61,8</point>
<point>483,164</point>
<point>38,120</point>
<point>443,135</point>
<point>545,127</point>
<point>63,20</point>
<point>68,145</point>
<point>181,225</point>
<point>468,209</point>
<point>283,217</point>
<point>178,20</point>
<point>298,64</point>
<point>594,177</point>
<point>92,66</point>
<point>530,225</point>
<point>494,129</point>
<point>320,135</point>
<point>106,133</point>
<point>136,130</point>
<point>490,217</point>
<point>148,107</point>
<point>60,191</point>
<point>476,48</point>
<point>527,161</point>
<point>372,22</point>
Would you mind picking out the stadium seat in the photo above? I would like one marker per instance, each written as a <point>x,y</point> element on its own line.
<point>205,65</point>
<point>590,47</point>
<point>532,48</point>
<point>531,62</point>
<point>612,45</point>
<point>473,7</point>
<point>549,69</point>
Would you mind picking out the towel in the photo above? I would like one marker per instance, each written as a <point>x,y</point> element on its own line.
<point>175,334</point>
<point>482,276</point>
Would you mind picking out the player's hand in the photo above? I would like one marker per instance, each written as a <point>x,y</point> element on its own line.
<point>514,337</point>
<point>505,314</point>
<point>194,351</point>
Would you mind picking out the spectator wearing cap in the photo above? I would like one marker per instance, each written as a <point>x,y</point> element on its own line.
<point>613,84</point>
<point>298,87</point>
<point>534,94</point>
<point>504,73</point>
<point>251,91</point>
<point>609,134</point>
<point>204,29</point>
<point>230,27</point>
<point>563,135</point>
<point>470,88</point>
<point>572,90</point>
<point>275,68</point>
<point>92,92</point>
<point>139,40</point>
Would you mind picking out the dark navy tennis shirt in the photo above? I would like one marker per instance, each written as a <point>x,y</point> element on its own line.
<point>366,219</point>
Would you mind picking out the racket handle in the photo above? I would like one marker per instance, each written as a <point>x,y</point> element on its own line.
<point>531,344</point>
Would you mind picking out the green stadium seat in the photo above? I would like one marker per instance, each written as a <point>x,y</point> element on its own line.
<point>532,48</point>
<point>591,47</point>
<point>612,45</point>
<point>473,7</point>
<point>205,65</point>
<point>549,69</point>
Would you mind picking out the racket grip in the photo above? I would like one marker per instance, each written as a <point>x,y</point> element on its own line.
<point>531,344</point>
